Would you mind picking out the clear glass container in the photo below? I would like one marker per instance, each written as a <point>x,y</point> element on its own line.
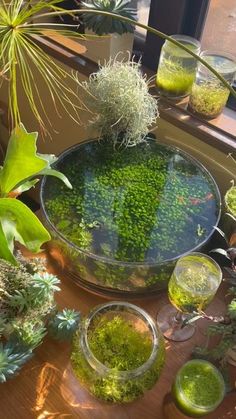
<point>177,69</point>
<point>130,215</point>
<point>209,96</point>
<point>118,352</point>
<point>198,388</point>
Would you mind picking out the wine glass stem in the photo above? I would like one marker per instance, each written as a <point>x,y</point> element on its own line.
<point>178,318</point>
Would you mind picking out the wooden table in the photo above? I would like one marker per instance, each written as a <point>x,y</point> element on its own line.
<point>45,387</point>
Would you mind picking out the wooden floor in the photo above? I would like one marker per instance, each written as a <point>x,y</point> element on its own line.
<point>46,387</point>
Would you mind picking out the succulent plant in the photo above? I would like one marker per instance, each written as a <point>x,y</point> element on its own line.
<point>103,25</point>
<point>12,357</point>
<point>64,324</point>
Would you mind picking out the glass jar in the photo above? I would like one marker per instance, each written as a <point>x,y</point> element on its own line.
<point>177,69</point>
<point>209,96</point>
<point>198,388</point>
<point>118,352</point>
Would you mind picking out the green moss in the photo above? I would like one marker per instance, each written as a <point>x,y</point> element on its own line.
<point>120,347</point>
<point>208,99</point>
<point>230,200</point>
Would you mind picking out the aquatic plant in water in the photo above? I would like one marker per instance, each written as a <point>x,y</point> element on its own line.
<point>120,347</point>
<point>208,99</point>
<point>139,204</point>
<point>173,79</point>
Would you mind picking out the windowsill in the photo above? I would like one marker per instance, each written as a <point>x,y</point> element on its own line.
<point>220,132</point>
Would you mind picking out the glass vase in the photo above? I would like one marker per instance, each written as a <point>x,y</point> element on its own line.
<point>118,352</point>
<point>209,96</point>
<point>177,69</point>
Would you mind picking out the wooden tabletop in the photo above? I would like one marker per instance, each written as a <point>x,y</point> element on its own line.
<point>46,387</point>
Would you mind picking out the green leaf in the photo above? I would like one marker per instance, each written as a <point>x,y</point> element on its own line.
<point>21,160</point>
<point>5,252</point>
<point>22,163</point>
<point>26,186</point>
<point>20,223</point>
<point>57,174</point>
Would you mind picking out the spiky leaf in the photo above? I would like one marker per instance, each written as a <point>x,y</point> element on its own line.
<point>12,358</point>
<point>64,324</point>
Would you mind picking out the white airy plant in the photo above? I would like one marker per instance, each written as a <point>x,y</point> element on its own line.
<point>118,97</point>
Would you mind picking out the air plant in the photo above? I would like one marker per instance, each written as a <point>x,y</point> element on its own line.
<point>118,97</point>
<point>22,57</point>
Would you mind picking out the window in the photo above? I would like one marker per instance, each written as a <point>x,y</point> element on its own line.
<point>220,27</point>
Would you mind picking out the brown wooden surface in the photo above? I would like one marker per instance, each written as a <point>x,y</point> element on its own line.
<point>46,387</point>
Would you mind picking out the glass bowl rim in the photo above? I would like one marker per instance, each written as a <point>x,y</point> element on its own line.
<point>134,309</point>
<point>111,261</point>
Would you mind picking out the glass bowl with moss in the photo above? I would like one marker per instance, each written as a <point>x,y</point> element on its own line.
<point>131,214</point>
<point>230,200</point>
<point>118,352</point>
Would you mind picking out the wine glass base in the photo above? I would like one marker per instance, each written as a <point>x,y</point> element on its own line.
<point>171,327</point>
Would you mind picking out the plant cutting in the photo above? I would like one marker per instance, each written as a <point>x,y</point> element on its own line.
<point>21,56</point>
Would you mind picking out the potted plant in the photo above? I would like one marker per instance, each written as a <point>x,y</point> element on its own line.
<point>108,37</point>
<point>27,303</point>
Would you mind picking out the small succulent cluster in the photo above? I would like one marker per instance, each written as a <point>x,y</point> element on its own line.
<point>26,307</point>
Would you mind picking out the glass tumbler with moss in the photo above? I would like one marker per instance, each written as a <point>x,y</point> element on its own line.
<point>118,352</point>
<point>209,96</point>
<point>177,69</point>
<point>191,288</point>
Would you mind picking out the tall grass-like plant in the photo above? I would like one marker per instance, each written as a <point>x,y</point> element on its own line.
<point>22,57</point>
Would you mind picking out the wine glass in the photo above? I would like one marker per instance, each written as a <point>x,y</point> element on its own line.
<point>191,288</point>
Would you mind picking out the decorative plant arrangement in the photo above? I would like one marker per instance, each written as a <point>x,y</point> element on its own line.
<point>26,290</point>
<point>21,56</point>
<point>102,24</point>
<point>120,223</point>
<point>118,353</point>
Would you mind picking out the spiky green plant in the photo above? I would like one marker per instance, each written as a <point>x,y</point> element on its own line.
<point>12,357</point>
<point>103,25</point>
<point>22,59</point>
<point>118,97</point>
<point>64,324</point>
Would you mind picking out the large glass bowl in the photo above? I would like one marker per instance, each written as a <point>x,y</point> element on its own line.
<point>130,215</point>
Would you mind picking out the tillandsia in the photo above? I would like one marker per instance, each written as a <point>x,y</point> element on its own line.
<point>22,56</point>
<point>20,171</point>
<point>27,311</point>
<point>118,97</point>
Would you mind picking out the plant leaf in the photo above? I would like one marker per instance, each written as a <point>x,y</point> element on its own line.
<point>59,175</point>
<point>221,233</point>
<point>21,224</point>
<point>221,251</point>
<point>5,252</point>
<point>21,160</point>
<point>22,163</point>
